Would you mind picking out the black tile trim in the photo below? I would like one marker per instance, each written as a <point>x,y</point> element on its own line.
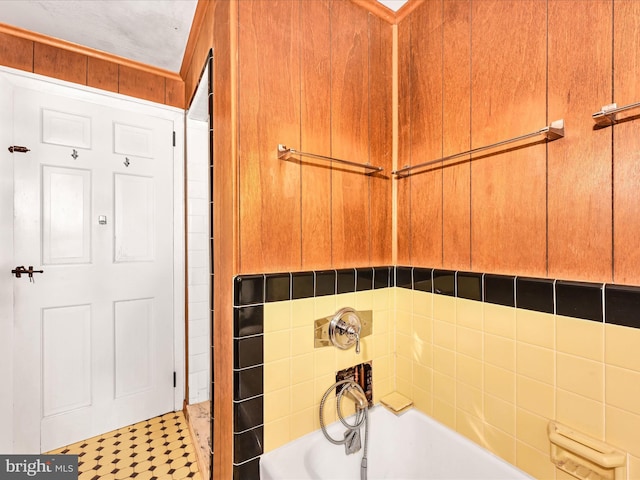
<point>248,414</point>
<point>535,294</point>
<point>249,470</point>
<point>404,277</point>
<point>248,445</point>
<point>382,277</point>
<point>346,280</point>
<point>364,279</point>
<point>444,282</point>
<point>325,283</point>
<point>248,290</point>
<point>469,286</point>
<point>499,290</point>
<point>302,285</point>
<point>579,300</point>
<point>277,287</point>
<point>622,305</point>
<point>423,279</point>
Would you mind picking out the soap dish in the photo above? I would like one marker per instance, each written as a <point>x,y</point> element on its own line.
<point>396,402</point>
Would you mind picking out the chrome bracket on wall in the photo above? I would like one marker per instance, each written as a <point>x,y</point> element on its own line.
<point>343,329</point>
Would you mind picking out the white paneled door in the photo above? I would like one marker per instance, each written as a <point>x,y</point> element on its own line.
<point>93,333</point>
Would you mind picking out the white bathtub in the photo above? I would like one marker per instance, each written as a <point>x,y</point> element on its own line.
<point>409,446</point>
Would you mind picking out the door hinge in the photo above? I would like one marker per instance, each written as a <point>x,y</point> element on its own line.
<point>175,381</point>
<point>174,139</point>
<point>19,149</point>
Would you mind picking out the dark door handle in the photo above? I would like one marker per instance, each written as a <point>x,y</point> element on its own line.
<point>19,271</point>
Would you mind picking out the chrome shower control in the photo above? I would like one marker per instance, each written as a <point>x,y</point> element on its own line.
<point>344,329</point>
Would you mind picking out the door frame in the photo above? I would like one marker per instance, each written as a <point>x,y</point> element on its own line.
<point>80,92</point>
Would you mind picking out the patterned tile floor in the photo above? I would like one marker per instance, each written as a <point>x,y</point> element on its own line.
<point>157,449</point>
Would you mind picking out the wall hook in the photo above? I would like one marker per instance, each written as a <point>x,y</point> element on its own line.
<point>75,154</point>
<point>126,162</point>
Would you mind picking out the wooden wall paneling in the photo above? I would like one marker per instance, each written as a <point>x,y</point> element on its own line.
<point>16,52</point>
<point>626,142</point>
<point>140,84</point>
<point>197,49</point>
<point>174,93</point>
<point>380,129</point>
<point>426,134</point>
<point>269,114</point>
<point>102,74</point>
<point>315,134</point>
<point>58,63</point>
<point>508,188</point>
<point>456,124</point>
<point>403,184</point>
<point>579,165</point>
<point>350,196</point>
<point>225,42</point>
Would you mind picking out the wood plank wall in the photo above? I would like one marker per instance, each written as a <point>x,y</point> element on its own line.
<point>565,209</point>
<point>55,58</point>
<point>315,76</point>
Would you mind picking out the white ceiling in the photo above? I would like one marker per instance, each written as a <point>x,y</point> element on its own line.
<point>154,32</point>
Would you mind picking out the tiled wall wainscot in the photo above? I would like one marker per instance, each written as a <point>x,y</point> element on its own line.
<point>496,357</point>
<point>279,377</point>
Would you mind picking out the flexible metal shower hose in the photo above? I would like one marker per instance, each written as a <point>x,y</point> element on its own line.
<point>362,416</point>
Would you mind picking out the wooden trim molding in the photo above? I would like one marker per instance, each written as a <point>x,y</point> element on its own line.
<point>89,52</point>
<point>194,32</point>
<point>378,9</point>
<point>407,8</point>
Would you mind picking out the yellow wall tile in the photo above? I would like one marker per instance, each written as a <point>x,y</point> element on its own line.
<point>532,429</point>
<point>276,434</point>
<point>381,322</point>
<point>500,443</point>
<point>444,412</point>
<point>537,397</point>
<point>302,396</point>
<point>302,312</point>
<point>422,352</point>
<point>621,347</point>
<point>500,383</point>
<point>469,342</point>
<point>364,300</point>
<point>469,399</point>
<point>404,345</point>
<point>621,430</point>
<point>277,345</point>
<point>404,368</point>
<point>469,370</point>
<point>324,361</point>
<point>422,328</point>
<point>422,400</point>
<point>535,362</point>
<point>302,422</point>
<point>444,361</point>
<point>302,368</point>
<point>382,367</point>
<point>500,414</point>
<point>444,334</point>
<point>382,299</point>
<point>404,387</point>
<point>345,300</point>
<point>562,475</point>
<point>444,308</point>
<point>623,388</point>
<point>500,320</point>
<point>469,313</point>
<point>422,377</point>
<point>277,375</point>
<point>324,306</point>
<point>277,316</point>
<point>500,351</point>
<point>634,467</point>
<point>380,345</point>
<point>536,328</point>
<point>534,462</point>
<point>581,413</point>
<point>581,376</point>
<point>422,303</point>
<point>277,405</point>
<point>444,387</point>
<point>403,299</point>
<point>382,388</point>
<point>580,337</point>
<point>470,426</point>
<point>404,322</point>
<point>302,341</point>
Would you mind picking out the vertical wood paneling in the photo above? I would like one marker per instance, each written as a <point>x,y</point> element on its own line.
<point>426,139</point>
<point>349,134</point>
<point>141,84</point>
<point>626,141</point>
<point>174,93</point>
<point>579,176</point>
<point>269,114</point>
<point>456,124</point>
<point>58,63</point>
<point>102,74</point>
<point>403,184</point>
<point>197,49</point>
<point>16,52</point>
<point>315,134</point>
<point>380,128</point>
<point>508,189</point>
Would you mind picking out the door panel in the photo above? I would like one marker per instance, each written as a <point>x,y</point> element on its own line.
<point>94,333</point>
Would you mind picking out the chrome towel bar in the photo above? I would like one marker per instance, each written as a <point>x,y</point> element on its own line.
<point>551,132</point>
<point>284,153</point>
<point>607,115</point>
